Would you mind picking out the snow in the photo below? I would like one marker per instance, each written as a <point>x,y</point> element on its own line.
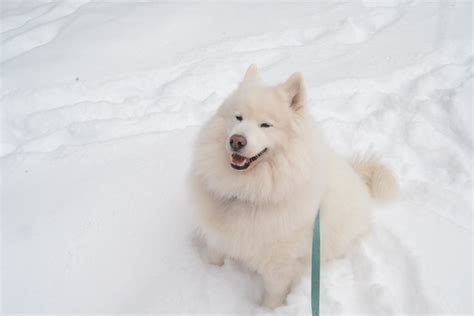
<point>101,102</point>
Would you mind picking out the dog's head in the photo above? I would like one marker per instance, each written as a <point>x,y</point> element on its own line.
<point>255,147</point>
<point>260,120</point>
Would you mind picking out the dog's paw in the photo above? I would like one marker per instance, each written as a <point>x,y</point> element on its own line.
<point>215,258</point>
<point>216,261</point>
<point>272,301</point>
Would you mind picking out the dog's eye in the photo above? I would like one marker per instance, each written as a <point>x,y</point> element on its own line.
<point>265,125</point>
<point>239,117</point>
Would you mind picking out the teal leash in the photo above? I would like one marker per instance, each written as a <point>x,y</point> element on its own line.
<point>315,267</point>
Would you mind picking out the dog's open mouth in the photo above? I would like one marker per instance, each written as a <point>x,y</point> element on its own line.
<point>241,163</point>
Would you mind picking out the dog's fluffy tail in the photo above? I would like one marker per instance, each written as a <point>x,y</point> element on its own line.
<point>379,179</point>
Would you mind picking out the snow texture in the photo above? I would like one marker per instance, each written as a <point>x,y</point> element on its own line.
<point>101,102</point>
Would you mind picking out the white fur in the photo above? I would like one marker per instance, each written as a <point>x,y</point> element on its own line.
<point>264,216</point>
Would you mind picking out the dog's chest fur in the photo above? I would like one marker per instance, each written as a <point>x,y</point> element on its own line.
<point>256,233</point>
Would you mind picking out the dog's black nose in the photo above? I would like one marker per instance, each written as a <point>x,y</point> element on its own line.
<point>237,142</point>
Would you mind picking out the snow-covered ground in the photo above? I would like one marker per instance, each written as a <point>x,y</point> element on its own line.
<point>101,102</point>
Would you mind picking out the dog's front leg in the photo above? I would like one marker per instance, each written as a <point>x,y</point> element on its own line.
<point>277,282</point>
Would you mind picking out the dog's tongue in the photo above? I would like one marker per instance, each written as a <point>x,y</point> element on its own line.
<point>239,160</point>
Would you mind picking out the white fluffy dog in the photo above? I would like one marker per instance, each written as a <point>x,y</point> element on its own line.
<point>261,172</point>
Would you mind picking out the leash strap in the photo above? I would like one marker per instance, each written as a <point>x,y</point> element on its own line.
<point>315,267</point>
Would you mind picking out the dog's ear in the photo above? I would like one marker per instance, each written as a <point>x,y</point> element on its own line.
<point>294,89</point>
<point>251,74</point>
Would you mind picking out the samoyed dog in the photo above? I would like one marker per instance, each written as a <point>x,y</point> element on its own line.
<point>262,171</point>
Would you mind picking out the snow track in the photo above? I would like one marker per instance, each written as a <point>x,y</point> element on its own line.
<point>101,102</point>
